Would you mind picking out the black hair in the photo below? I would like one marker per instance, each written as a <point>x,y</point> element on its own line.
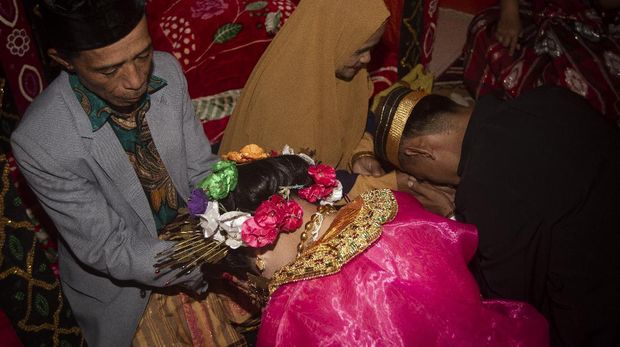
<point>67,54</point>
<point>431,115</point>
<point>260,179</point>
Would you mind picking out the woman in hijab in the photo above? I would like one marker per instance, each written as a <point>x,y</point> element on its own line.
<point>310,89</point>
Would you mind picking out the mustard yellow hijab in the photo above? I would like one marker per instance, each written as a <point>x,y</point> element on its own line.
<point>293,96</point>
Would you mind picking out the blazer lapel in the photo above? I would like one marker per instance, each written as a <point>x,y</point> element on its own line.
<point>111,158</point>
<point>109,154</point>
<point>167,136</point>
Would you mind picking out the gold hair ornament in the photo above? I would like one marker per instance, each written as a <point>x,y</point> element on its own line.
<point>401,115</point>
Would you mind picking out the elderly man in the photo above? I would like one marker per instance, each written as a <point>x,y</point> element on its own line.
<point>538,176</point>
<point>112,149</point>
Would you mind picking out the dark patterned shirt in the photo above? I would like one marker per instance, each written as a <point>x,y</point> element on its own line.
<point>135,137</point>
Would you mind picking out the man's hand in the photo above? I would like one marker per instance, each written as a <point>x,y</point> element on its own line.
<point>437,199</point>
<point>367,166</point>
<point>509,25</point>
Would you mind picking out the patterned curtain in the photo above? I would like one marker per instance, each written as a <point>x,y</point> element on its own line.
<point>19,54</point>
<point>30,293</point>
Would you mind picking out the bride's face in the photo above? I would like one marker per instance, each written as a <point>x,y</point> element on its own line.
<point>284,250</point>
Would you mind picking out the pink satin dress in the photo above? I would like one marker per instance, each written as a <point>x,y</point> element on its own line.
<point>410,288</point>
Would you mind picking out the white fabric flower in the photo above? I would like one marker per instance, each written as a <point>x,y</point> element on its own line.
<point>287,150</point>
<point>225,228</point>
<point>231,223</point>
<point>334,196</point>
<point>209,219</point>
<point>219,236</point>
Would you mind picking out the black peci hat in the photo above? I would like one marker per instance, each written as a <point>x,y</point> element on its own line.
<point>79,25</point>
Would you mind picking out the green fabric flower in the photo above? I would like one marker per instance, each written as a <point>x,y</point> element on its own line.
<point>221,181</point>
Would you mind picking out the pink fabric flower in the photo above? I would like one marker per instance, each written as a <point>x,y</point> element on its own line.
<point>277,200</point>
<point>313,193</point>
<point>269,213</point>
<point>293,216</point>
<point>323,174</point>
<point>257,236</point>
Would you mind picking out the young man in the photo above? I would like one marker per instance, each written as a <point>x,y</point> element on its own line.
<point>538,176</point>
<point>112,149</point>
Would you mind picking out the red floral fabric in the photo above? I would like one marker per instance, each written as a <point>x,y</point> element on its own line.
<point>19,55</point>
<point>217,42</point>
<point>564,43</point>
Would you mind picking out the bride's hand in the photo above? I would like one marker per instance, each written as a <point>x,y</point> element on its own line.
<point>367,166</point>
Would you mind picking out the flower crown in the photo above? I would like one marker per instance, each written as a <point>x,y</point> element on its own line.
<point>217,233</point>
<point>276,214</point>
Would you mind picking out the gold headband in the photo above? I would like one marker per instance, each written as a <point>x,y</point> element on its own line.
<point>403,111</point>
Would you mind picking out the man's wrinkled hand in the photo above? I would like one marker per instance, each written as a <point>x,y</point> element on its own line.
<point>367,166</point>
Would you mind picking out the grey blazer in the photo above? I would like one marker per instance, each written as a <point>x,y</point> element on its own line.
<point>89,188</point>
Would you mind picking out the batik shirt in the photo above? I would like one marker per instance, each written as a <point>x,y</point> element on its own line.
<point>135,137</point>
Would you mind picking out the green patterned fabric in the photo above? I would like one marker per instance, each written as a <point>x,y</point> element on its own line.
<point>134,135</point>
<point>30,293</point>
<point>97,109</point>
<point>412,34</point>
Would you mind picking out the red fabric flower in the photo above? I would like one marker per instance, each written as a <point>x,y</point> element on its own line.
<point>293,216</point>
<point>257,236</point>
<point>323,174</point>
<point>313,193</point>
<point>270,213</point>
<point>277,200</point>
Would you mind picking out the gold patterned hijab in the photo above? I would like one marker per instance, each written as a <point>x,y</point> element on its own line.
<point>293,96</point>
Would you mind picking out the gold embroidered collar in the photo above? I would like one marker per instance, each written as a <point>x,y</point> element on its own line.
<point>341,244</point>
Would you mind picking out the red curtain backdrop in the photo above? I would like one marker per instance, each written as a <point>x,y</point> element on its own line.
<point>19,55</point>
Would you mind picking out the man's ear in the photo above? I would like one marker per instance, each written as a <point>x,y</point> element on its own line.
<point>414,151</point>
<point>60,59</point>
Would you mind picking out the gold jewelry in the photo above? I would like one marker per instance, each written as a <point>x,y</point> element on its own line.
<point>313,226</point>
<point>355,231</point>
<point>304,235</point>
<point>359,155</point>
<point>260,264</point>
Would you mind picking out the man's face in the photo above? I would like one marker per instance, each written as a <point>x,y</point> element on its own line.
<point>118,73</point>
<point>360,58</point>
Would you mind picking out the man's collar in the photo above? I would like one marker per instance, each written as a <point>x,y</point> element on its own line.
<point>97,110</point>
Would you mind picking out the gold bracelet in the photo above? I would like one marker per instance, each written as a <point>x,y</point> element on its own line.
<point>359,155</point>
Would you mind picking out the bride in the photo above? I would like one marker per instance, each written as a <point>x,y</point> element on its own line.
<point>380,271</point>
